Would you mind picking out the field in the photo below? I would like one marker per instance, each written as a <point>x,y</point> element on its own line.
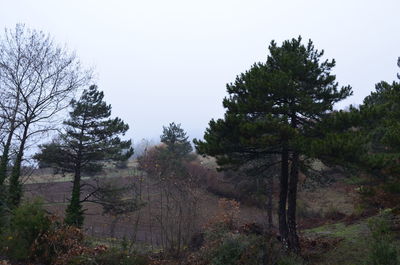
<point>330,234</point>
<point>141,226</point>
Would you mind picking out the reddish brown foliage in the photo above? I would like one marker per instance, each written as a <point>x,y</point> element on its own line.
<point>62,243</point>
<point>314,246</point>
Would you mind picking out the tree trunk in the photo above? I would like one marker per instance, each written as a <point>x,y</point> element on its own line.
<point>5,159</point>
<point>74,213</point>
<point>3,175</point>
<point>15,188</point>
<point>283,228</point>
<point>6,150</point>
<point>270,192</point>
<point>292,198</point>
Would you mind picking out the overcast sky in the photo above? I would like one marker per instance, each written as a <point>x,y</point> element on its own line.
<point>160,61</point>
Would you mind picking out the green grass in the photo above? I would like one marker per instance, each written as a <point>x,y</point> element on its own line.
<point>355,180</point>
<point>354,247</point>
<point>351,250</point>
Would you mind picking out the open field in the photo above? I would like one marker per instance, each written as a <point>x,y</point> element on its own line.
<point>141,225</point>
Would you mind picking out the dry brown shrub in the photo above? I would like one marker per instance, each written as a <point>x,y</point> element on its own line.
<point>315,246</point>
<point>228,213</point>
<point>62,243</point>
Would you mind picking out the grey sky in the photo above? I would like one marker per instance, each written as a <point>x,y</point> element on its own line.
<point>160,61</point>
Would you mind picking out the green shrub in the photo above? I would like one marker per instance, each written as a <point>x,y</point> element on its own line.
<point>366,191</point>
<point>290,260</point>
<point>230,250</point>
<point>304,211</point>
<point>383,251</point>
<point>118,257</point>
<point>392,187</point>
<point>28,222</point>
<point>333,213</point>
<point>233,248</point>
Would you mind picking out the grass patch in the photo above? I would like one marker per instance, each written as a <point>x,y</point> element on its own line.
<point>351,250</point>
<point>355,180</point>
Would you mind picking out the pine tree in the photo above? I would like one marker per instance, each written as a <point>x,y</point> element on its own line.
<point>271,111</point>
<point>176,140</point>
<point>91,138</point>
<point>382,109</point>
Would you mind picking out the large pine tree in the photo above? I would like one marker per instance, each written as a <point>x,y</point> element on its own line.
<point>271,111</point>
<point>91,139</point>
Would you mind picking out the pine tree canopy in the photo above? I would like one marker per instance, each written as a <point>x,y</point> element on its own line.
<point>91,138</point>
<point>278,101</point>
<point>176,140</point>
<point>383,127</point>
<point>365,137</point>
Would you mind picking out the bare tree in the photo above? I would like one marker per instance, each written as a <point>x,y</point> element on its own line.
<point>176,203</point>
<point>40,79</point>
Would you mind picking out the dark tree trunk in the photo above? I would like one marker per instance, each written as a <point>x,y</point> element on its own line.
<point>283,228</point>
<point>292,198</point>
<point>5,159</point>
<point>270,192</point>
<point>74,213</point>
<point>6,150</point>
<point>3,175</point>
<point>15,188</point>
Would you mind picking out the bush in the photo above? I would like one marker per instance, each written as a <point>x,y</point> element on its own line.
<point>333,213</point>
<point>227,244</point>
<point>304,211</point>
<point>33,235</point>
<point>230,250</point>
<point>366,191</point>
<point>118,257</point>
<point>28,222</point>
<point>290,260</point>
<point>383,251</point>
<point>392,187</point>
<point>236,249</point>
<point>60,244</point>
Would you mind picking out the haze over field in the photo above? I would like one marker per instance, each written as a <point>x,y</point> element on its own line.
<point>163,61</point>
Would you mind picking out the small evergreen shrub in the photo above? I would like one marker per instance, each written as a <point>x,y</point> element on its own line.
<point>304,211</point>
<point>230,250</point>
<point>333,213</point>
<point>28,222</point>
<point>34,236</point>
<point>290,260</point>
<point>118,257</point>
<point>383,251</point>
<point>392,187</point>
<point>226,243</point>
